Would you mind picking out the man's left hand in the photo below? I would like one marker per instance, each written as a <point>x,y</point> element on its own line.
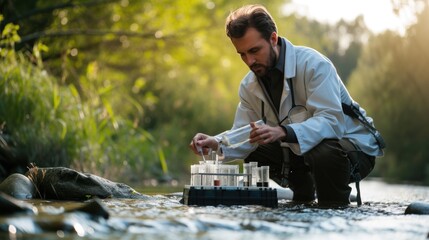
<point>264,134</point>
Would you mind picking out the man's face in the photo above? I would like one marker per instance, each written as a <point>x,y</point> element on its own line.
<point>258,54</point>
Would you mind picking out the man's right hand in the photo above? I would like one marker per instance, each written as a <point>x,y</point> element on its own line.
<point>203,142</point>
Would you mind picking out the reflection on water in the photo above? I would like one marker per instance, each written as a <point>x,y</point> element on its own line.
<point>381,217</point>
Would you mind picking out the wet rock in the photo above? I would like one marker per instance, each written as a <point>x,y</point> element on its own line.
<point>421,208</point>
<point>60,183</point>
<point>94,208</point>
<point>18,186</point>
<point>81,221</point>
<point>10,205</point>
<point>22,217</point>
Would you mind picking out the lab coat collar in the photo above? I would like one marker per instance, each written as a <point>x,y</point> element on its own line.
<point>290,64</point>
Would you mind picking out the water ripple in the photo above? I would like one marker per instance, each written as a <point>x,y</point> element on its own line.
<point>164,217</point>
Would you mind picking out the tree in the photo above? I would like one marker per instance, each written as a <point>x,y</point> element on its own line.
<point>341,42</point>
<point>390,82</point>
<point>147,75</point>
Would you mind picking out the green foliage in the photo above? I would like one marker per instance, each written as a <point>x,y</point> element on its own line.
<point>341,43</point>
<point>53,127</point>
<point>9,37</point>
<point>390,81</point>
<point>119,88</point>
<point>30,108</point>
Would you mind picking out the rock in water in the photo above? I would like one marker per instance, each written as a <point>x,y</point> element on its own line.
<point>18,186</point>
<point>95,208</point>
<point>10,205</point>
<point>60,183</point>
<point>421,208</point>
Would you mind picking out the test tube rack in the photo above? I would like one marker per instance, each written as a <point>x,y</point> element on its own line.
<point>205,195</point>
<point>228,196</point>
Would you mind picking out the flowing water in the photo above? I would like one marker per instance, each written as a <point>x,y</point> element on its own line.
<point>164,217</point>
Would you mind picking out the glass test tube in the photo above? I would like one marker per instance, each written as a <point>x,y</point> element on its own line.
<point>264,176</point>
<point>195,177</point>
<point>255,173</point>
<point>232,169</point>
<point>238,136</point>
<point>247,169</point>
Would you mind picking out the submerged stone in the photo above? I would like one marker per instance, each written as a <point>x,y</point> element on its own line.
<point>83,221</point>
<point>421,208</point>
<point>95,208</point>
<point>10,205</point>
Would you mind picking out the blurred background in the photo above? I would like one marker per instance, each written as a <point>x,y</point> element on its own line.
<point>119,87</point>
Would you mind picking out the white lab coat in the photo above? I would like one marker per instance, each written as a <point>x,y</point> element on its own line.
<point>318,87</point>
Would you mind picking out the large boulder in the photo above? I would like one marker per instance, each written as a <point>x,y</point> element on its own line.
<point>62,183</point>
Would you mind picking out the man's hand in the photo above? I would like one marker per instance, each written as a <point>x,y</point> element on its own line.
<point>264,134</point>
<point>203,142</point>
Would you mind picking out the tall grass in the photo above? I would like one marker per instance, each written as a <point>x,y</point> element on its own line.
<point>30,110</point>
<point>52,126</point>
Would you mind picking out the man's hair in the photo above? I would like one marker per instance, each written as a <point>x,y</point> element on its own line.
<point>248,16</point>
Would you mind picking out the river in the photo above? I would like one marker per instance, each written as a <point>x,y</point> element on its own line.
<point>164,217</point>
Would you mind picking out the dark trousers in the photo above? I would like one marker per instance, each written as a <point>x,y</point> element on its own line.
<point>326,169</point>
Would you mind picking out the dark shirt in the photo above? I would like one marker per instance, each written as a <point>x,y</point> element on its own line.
<point>274,81</point>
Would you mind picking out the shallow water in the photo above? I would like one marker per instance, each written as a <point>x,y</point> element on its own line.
<point>164,217</point>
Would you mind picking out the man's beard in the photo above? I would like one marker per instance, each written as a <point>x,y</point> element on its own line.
<point>261,70</point>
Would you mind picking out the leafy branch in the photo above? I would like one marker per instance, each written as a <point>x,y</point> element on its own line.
<point>87,32</point>
<point>69,4</point>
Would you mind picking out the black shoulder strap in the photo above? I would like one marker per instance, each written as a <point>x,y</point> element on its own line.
<point>352,110</point>
<point>289,80</point>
